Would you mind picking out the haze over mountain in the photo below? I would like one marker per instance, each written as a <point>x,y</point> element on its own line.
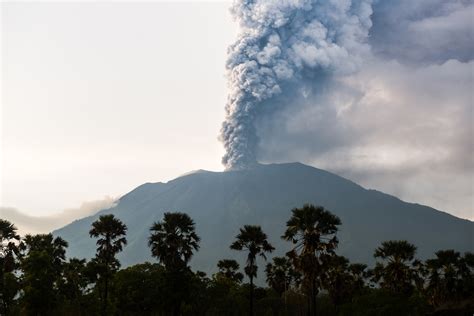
<point>222,202</point>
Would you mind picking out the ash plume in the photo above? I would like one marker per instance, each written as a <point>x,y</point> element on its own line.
<point>282,45</point>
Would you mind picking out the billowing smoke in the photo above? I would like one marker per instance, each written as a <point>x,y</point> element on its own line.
<point>283,45</point>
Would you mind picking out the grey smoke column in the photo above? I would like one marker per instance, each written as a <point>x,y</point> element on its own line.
<point>282,44</point>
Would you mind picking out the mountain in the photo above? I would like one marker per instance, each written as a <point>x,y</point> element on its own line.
<point>222,202</point>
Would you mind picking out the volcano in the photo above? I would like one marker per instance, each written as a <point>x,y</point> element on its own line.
<point>222,202</point>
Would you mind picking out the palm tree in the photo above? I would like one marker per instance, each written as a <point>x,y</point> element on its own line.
<point>110,232</point>
<point>312,229</point>
<point>8,249</point>
<point>397,271</point>
<point>336,279</point>
<point>173,242</point>
<point>280,274</point>
<point>230,269</point>
<point>359,274</point>
<point>252,239</point>
<point>445,277</point>
<point>466,273</point>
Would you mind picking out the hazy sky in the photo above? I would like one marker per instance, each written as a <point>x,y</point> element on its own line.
<point>98,98</point>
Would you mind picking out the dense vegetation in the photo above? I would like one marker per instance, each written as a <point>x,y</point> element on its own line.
<point>36,278</point>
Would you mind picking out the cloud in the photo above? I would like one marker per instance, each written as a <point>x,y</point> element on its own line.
<point>28,224</point>
<point>401,121</point>
<point>282,45</point>
<point>404,130</point>
<point>423,31</point>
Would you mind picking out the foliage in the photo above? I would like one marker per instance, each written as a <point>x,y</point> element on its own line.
<point>312,278</point>
<point>312,230</point>
<point>110,232</point>
<point>42,260</point>
<point>281,275</point>
<point>396,273</point>
<point>8,252</point>
<point>229,269</point>
<point>174,240</point>
<point>253,240</point>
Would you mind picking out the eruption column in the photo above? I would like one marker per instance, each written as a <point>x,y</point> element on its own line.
<point>283,44</point>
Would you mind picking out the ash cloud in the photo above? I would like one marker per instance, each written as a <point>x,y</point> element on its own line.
<point>393,112</point>
<point>281,45</point>
<point>424,31</point>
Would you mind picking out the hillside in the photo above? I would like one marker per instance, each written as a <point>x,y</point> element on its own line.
<point>222,202</point>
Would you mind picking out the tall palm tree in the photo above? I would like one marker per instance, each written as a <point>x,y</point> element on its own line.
<point>230,269</point>
<point>252,239</point>
<point>445,277</point>
<point>110,232</point>
<point>397,271</point>
<point>174,240</point>
<point>312,229</point>
<point>8,249</point>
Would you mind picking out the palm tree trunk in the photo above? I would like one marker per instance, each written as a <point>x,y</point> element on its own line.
<point>106,287</point>
<point>176,309</point>
<point>251,295</point>
<point>313,297</point>
<point>3,307</point>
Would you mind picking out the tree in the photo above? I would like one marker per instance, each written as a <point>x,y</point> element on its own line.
<point>8,250</point>
<point>396,273</point>
<point>337,280</point>
<point>139,289</point>
<point>173,242</point>
<point>280,274</point>
<point>110,232</point>
<point>466,273</point>
<point>359,274</point>
<point>449,277</point>
<point>74,283</point>
<point>252,239</point>
<point>42,260</point>
<point>312,230</point>
<point>230,269</point>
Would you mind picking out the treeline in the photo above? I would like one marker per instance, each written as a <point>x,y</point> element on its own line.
<point>312,279</point>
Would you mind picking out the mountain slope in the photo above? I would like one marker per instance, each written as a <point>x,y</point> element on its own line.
<point>222,202</point>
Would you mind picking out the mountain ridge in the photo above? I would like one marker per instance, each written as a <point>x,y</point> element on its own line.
<point>222,202</point>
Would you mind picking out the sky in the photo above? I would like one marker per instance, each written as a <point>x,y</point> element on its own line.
<point>98,98</point>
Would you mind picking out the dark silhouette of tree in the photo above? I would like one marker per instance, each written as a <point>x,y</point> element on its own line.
<point>8,250</point>
<point>359,274</point>
<point>230,269</point>
<point>396,273</point>
<point>253,240</point>
<point>449,277</point>
<point>337,279</point>
<point>74,283</point>
<point>42,260</point>
<point>281,275</point>
<point>139,289</point>
<point>110,232</point>
<point>173,242</point>
<point>312,230</point>
<point>466,272</point>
